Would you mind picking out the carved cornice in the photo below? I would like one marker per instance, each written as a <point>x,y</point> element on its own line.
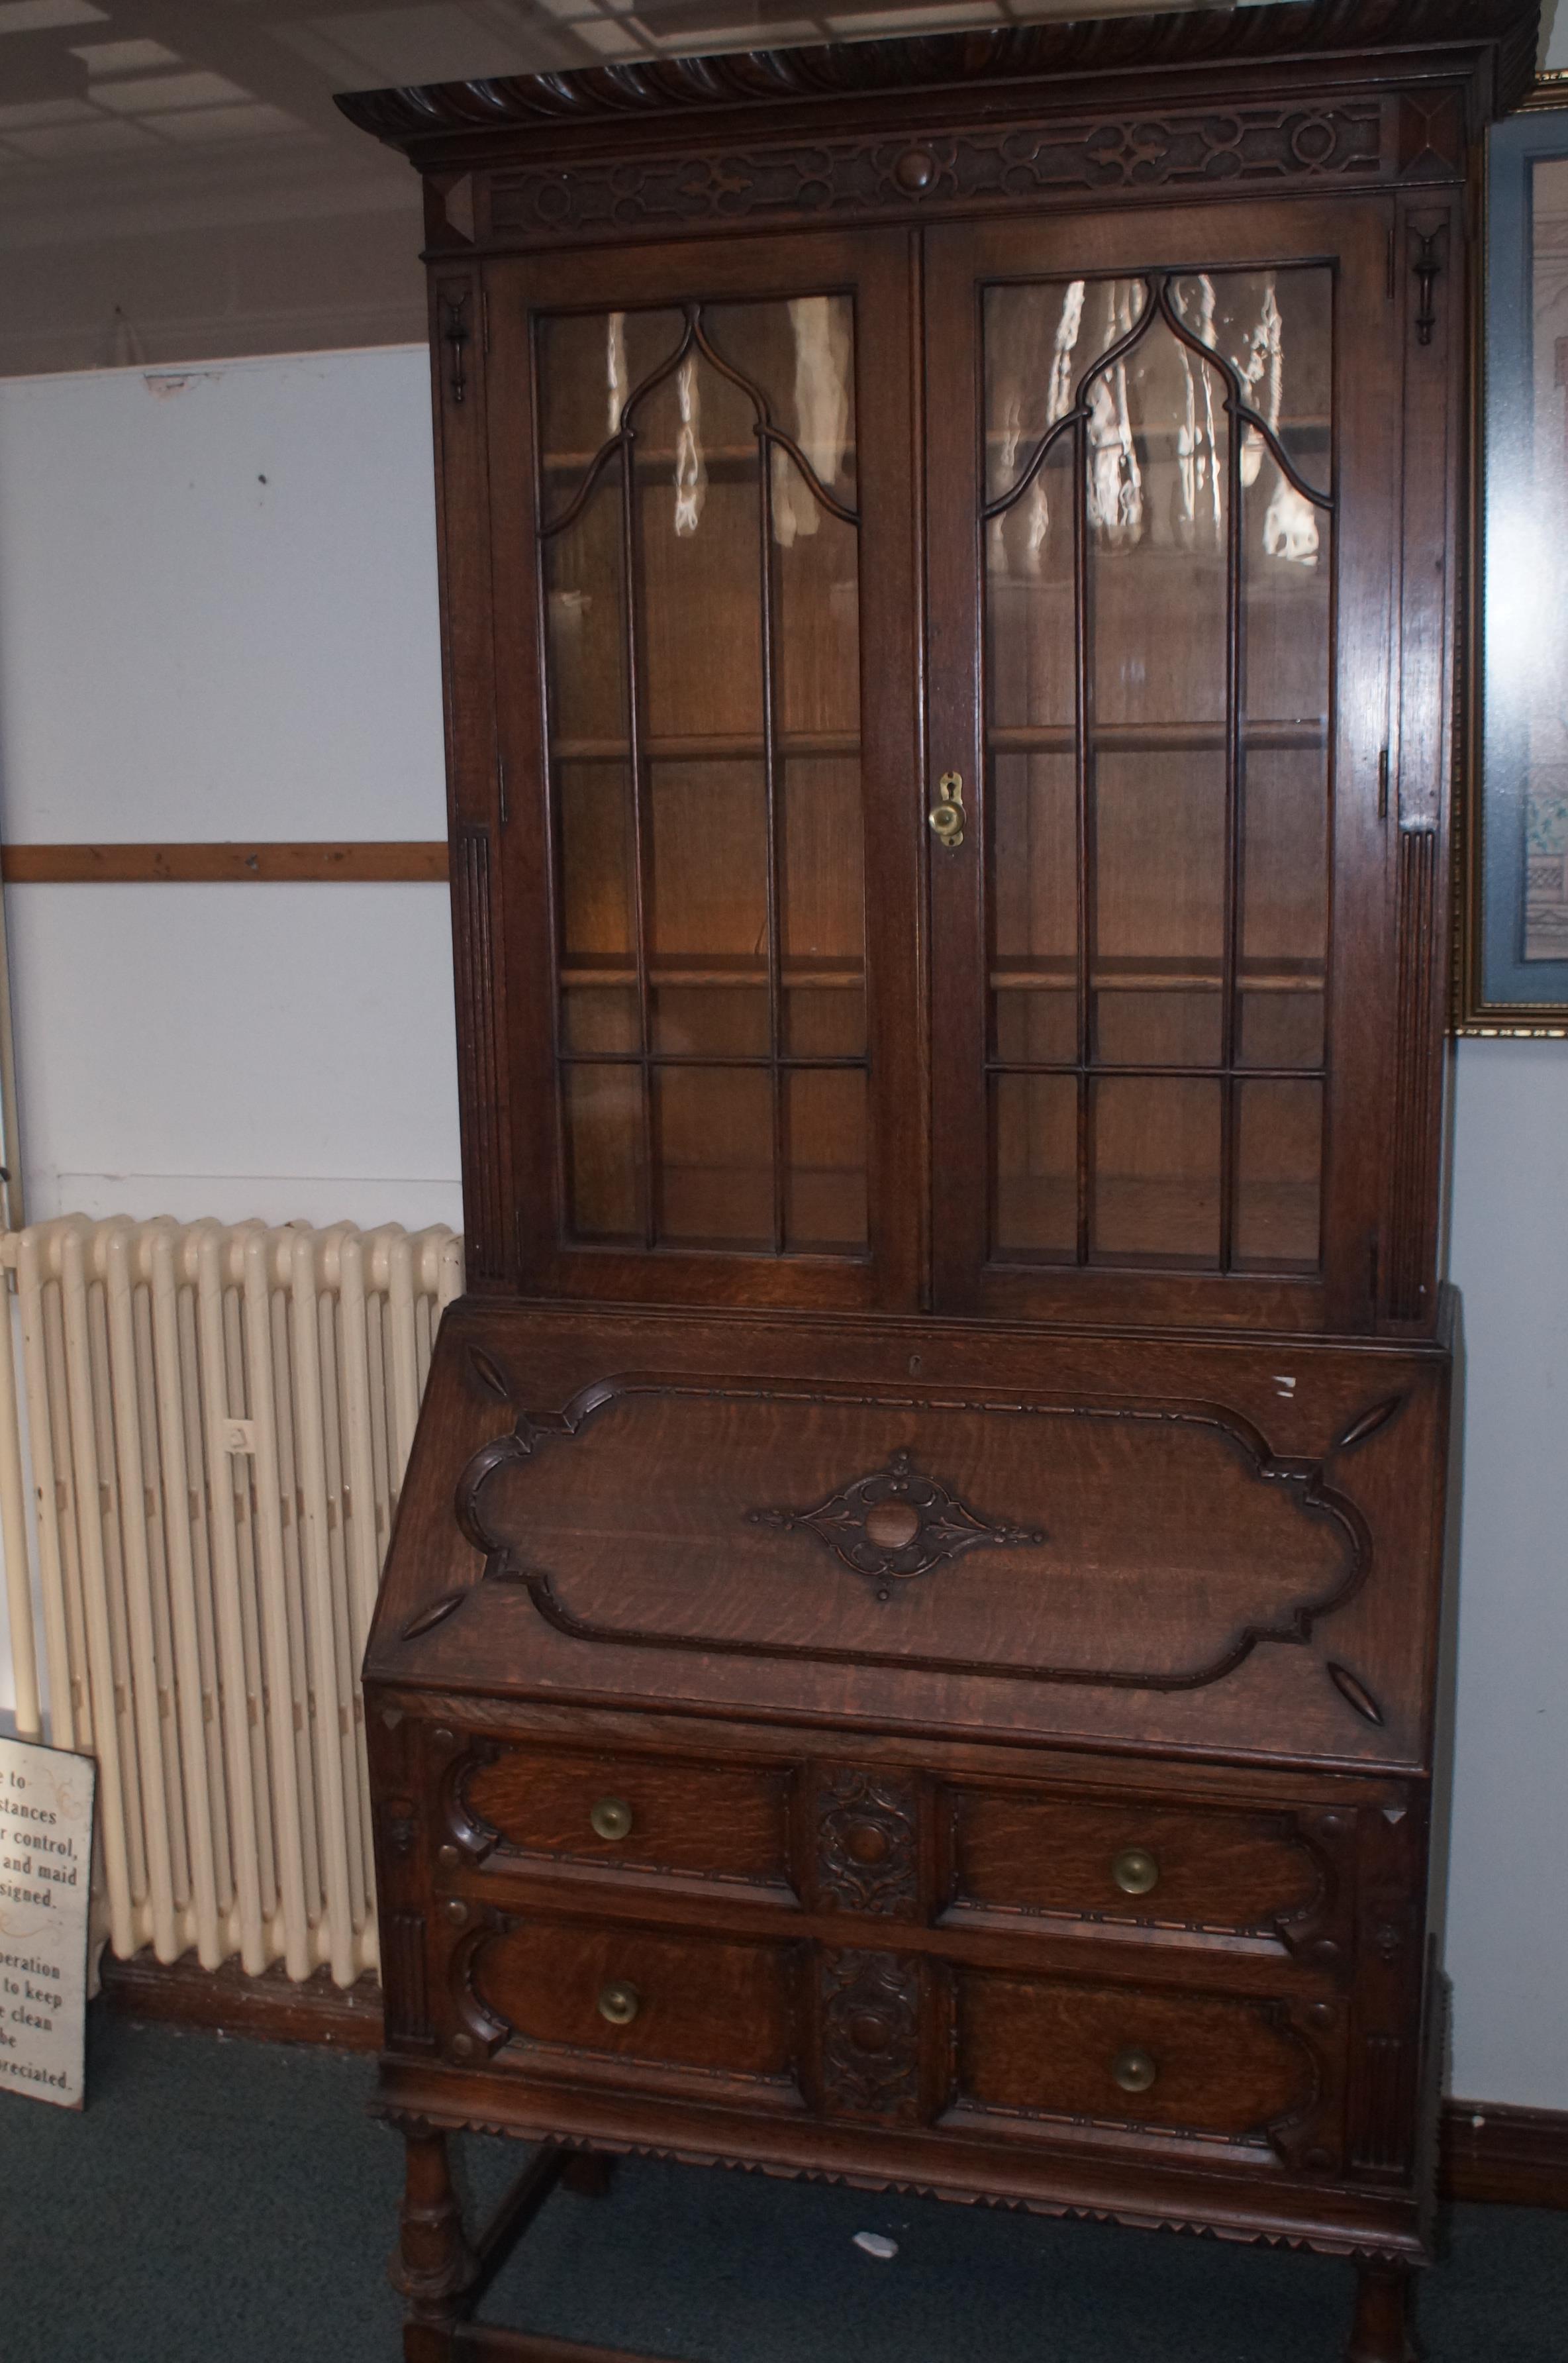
<point>417,120</point>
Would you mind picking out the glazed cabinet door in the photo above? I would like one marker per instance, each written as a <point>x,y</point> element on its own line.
<point>1163,498</point>
<point>699,498</point>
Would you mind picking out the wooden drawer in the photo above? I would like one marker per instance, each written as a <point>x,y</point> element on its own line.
<point>1217,2067</point>
<point>600,2003</point>
<point>1204,1869</point>
<point>624,1812</point>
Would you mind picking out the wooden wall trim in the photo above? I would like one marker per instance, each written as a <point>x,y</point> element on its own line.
<point>278,862</point>
<point>271,2008</point>
<point>1513,2157</point>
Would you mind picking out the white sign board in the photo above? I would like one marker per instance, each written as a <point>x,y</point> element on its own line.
<point>45,1872</point>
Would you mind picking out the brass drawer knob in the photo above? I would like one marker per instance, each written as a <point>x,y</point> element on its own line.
<point>1133,2069</point>
<point>1135,1871</point>
<point>619,2002</point>
<point>610,1817</point>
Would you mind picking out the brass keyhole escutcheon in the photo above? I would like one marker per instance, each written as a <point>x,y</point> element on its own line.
<point>1133,2069</point>
<point>1135,1871</point>
<point>619,2002</point>
<point>946,815</point>
<point>610,1817</point>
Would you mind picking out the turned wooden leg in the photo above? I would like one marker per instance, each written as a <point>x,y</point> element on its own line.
<point>1381,2330</point>
<point>588,2173</point>
<point>433,2264</point>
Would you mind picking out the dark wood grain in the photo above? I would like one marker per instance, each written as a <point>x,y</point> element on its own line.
<point>949,1439</point>
<point>719,1821</point>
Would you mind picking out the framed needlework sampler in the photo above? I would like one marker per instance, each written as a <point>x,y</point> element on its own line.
<point>1514,940</point>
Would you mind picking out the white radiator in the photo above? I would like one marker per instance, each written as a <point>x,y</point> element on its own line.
<point>218,1418</point>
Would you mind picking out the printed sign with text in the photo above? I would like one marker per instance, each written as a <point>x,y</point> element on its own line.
<point>46,1873</point>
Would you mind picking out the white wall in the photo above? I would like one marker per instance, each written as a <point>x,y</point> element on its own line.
<point>185,652</point>
<point>217,620</point>
<point>1508,1921</point>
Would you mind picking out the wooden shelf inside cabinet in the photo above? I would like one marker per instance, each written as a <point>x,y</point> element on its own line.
<point>709,747</point>
<point>1147,976</point>
<point>1156,737</point>
<point>716,973</point>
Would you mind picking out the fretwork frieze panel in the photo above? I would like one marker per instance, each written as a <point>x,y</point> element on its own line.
<point>1251,147</point>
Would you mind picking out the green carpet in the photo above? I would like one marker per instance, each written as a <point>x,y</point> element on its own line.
<point>231,2203</point>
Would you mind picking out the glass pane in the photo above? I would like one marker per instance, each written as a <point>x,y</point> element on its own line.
<point>1115,445</point>
<point>1032,856</point>
<point>1159,908</point>
<point>602,1116</point>
<point>824,1019</point>
<point>707,906</point>
<point>823,919</point>
<point>1035,1157</point>
<point>818,613</point>
<point>713,1144</point>
<point>824,1153</point>
<point>686,551</point>
<point>1284,908</point>
<point>1035,1028</point>
<point>597,858</point>
<point>1154,1184</point>
<point>710,1019</point>
<point>598,1018</point>
<point>1279,1131</point>
<point>585,640</point>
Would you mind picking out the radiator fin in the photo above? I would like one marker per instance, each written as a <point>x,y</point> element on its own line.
<point>202,1464</point>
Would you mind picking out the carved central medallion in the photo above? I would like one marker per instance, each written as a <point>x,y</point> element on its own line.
<point>896,1524</point>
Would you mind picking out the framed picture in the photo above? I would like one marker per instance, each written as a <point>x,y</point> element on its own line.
<point>1513,967</point>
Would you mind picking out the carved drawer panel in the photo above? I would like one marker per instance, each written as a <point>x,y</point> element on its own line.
<point>727,1821</point>
<point>574,1998</point>
<point>1215,2067</point>
<point>1197,1869</point>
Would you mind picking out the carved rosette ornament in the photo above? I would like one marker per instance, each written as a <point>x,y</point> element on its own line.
<point>870,2025</point>
<point>896,1524</point>
<point>867,1858</point>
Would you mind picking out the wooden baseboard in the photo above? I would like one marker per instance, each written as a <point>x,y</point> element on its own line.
<point>1516,2157</point>
<point>271,2008</point>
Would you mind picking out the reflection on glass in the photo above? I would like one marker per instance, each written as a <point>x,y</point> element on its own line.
<point>1034,1165</point>
<point>714,1156</point>
<point>1154,1146</point>
<point>1278,1175</point>
<point>700,555</point>
<point>1158,588</point>
<point>825,1159</point>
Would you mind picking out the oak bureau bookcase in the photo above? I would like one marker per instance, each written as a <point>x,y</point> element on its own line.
<point>912,1650</point>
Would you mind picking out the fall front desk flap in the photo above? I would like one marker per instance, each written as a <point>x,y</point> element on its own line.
<point>675,1511</point>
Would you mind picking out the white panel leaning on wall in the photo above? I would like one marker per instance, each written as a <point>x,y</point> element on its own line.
<point>215,1420</point>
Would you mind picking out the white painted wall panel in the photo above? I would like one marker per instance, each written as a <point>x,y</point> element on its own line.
<point>217,602</point>
<point>1508,1921</point>
<point>285,1051</point>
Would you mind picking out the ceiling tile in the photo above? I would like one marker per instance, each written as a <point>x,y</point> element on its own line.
<point>225,123</point>
<point>43,15</point>
<point>125,57</point>
<point>62,139</point>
